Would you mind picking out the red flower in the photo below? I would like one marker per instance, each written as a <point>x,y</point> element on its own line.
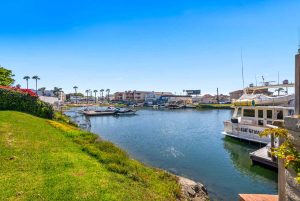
<point>290,158</point>
<point>24,91</point>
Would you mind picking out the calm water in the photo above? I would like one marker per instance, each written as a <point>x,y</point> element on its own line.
<point>188,143</point>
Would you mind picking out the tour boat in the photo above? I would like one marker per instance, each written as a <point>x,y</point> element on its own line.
<point>253,113</point>
<point>248,121</point>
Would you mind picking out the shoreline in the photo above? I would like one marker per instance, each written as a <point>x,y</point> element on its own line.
<point>190,189</point>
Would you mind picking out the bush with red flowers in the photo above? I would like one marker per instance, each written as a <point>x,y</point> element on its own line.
<point>24,100</point>
<point>25,91</point>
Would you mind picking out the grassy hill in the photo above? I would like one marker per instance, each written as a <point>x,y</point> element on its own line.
<point>47,160</point>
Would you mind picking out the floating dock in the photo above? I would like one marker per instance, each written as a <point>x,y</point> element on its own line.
<point>261,156</point>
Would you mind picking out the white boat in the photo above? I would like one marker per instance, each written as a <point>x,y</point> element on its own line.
<point>125,112</point>
<point>98,113</point>
<point>248,121</point>
<point>261,99</point>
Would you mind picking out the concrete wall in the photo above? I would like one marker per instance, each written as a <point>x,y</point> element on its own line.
<point>289,189</point>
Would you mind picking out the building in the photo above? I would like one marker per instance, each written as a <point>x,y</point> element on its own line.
<point>175,99</point>
<point>234,95</point>
<point>208,99</point>
<point>152,97</point>
<point>49,96</point>
<point>138,96</point>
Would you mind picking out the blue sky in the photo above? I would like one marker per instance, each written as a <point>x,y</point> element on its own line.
<point>167,45</point>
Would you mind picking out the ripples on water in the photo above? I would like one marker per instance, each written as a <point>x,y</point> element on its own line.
<point>189,143</point>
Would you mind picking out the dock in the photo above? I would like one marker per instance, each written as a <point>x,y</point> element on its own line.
<point>261,156</point>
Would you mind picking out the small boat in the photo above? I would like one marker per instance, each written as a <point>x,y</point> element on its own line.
<point>98,113</point>
<point>125,112</point>
<point>174,106</point>
<point>190,106</point>
<point>111,109</point>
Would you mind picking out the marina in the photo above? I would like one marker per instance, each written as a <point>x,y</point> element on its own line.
<point>150,100</point>
<point>180,141</point>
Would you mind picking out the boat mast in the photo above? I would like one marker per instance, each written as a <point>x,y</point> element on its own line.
<point>243,70</point>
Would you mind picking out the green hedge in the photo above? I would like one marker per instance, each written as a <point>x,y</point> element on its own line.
<point>14,100</point>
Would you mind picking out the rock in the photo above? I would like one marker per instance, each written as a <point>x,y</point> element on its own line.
<point>192,191</point>
<point>200,187</point>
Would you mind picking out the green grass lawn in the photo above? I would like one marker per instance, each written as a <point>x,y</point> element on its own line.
<point>48,160</point>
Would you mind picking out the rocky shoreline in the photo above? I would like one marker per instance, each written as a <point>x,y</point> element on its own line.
<point>191,190</point>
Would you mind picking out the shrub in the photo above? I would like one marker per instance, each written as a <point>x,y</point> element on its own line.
<point>24,100</point>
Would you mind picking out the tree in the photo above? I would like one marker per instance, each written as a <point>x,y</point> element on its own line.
<point>6,77</point>
<point>102,90</point>
<point>279,90</point>
<point>42,90</point>
<point>95,91</point>
<point>87,95</point>
<point>108,90</point>
<point>56,91</point>
<point>36,78</point>
<point>26,78</point>
<point>75,88</point>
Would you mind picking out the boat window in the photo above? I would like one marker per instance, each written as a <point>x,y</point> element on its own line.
<point>260,114</point>
<point>260,122</point>
<point>291,112</point>
<point>269,114</point>
<point>249,113</point>
<point>239,112</point>
<point>280,114</point>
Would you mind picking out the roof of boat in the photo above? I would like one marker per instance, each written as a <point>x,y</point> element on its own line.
<point>266,107</point>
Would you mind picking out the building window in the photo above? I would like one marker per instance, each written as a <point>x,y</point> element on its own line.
<point>260,114</point>
<point>269,114</point>
<point>249,113</point>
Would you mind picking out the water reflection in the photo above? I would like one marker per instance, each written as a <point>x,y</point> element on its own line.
<point>239,154</point>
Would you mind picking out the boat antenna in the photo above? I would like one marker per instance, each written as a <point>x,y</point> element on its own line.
<point>298,39</point>
<point>242,69</point>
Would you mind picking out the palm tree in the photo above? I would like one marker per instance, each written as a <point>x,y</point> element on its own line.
<point>60,92</point>
<point>108,90</point>
<point>75,88</point>
<point>26,78</point>
<point>279,90</point>
<point>95,91</point>
<point>102,90</point>
<point>36,78</point>
<point>42,90</point>
<point>87,95</point>
<point>56,91</point>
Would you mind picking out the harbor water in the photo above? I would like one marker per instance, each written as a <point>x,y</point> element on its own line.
<point>188,143</point>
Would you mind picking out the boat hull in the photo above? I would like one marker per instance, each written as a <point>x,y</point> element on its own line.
<point>94,113</point>
<point>245,132</point>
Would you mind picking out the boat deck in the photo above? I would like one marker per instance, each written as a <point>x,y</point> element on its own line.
<point>261,156</point>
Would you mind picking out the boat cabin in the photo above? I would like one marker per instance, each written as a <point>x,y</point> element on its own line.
<point>260,115</point>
